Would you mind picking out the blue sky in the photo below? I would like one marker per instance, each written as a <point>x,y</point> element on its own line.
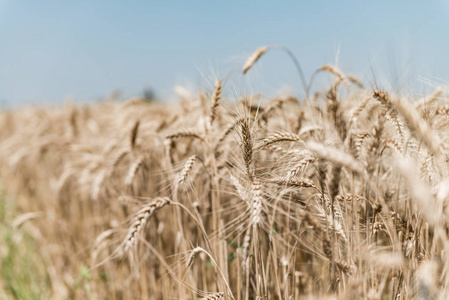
<point>50,50</point>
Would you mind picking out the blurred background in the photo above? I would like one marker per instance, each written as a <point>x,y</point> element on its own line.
<point>51,51</point>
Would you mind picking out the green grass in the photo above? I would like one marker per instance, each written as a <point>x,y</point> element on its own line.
<point>22,272</point>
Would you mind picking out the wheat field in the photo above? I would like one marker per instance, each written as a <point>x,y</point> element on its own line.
<point>341,194</point>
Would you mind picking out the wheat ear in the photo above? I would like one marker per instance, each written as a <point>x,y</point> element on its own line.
<point>140,220</point>
<point>247,146</point>
<point>186,170</point>
<point>214,296</point>
<point>133,135</point>
<point>335,71</point>
<point>430,99</point>
<point>416,123</point>
<point>189,132</point>
<point>133,169</point>
<point>216,96</point>
<point>254,58</point>
<point>283,136</point>
<point>294,182</point>
<point>193,254</point>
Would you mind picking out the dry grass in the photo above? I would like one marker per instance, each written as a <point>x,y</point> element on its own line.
<point>342,196</point>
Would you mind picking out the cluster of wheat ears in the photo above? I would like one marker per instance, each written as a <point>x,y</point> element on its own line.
<point>339,195</point>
